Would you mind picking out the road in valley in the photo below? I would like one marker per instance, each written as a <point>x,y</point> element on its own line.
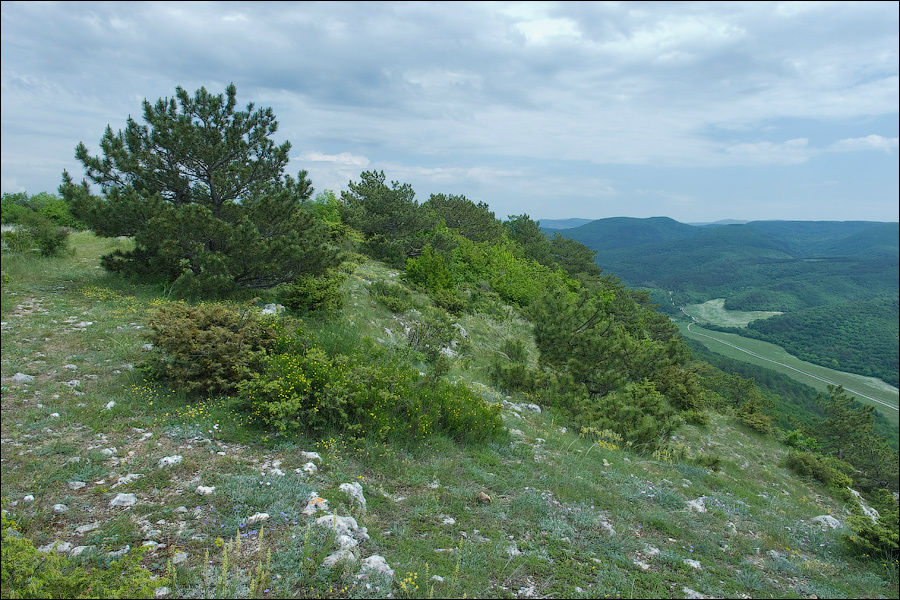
<point>786,366</point>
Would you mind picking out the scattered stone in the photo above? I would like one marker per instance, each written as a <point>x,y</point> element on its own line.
<point>70,367</point>
<point>170,461</point>
<point>532,408</point>
<point>276,472</point>
<point>77,550</point>
<point>698,505</point>
<point>109,406</point>
<point>516,432</point>
<point>342,555</point>
<point>355,492</point>
<point>22,378</point>
<point>437,578</point>
<point>82,529</point>
<point>161,592</point>
<point>692,563</point>
<point>60,508</point>
<point>310,456</point>
<point>54,415</point>
<point>310,468</point>
<point>28,498</point>
<point>314,503</point>
<point>57,546</point>
<point>513,550</point>
<point>72,383</point>
<point>448,521</point>
<point>204,490</point>
<point>76,485</point>
<point>605,463</point>
<point>272,309</point>
<point>126,479</point>
<point>345,542</point>
<point>375,565</point>
<point>827,521</point>
<point>691,594</point>
<point>651,551</point>
<point>639,563</point>
<point>108,451</point>
<point>257,518</point>
<point>83,324</point>
<point>607,527</point>
<point>123,500</point>
<point>434,484</point>
<point>483,498</point>
<point>731,527</point>
<point>181,510</point>
<point>147,347</point>
<point>116,555</point>
<point>179,557</point>
<point>340,525</point>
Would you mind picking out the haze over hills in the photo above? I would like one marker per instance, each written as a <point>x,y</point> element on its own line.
<point>837,281</point>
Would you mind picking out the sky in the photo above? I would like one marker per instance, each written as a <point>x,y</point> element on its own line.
<point>696,111</point>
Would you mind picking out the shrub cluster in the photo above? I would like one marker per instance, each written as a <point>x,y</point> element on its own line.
<point>826,469</point>
<point>311,392</point>
<point>28,573</point>
<point>208,348</point>
<point>310,293</point>
<point>394,297</point>
<point>36,233</point>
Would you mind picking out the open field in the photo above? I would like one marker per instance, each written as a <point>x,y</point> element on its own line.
<point>714,312</point>
<point>868,390</point>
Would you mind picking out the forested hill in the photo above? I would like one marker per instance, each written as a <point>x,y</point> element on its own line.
<point>837,282</point>
<point>762,265</point>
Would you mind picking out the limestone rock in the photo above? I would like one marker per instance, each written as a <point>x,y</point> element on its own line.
<point>340,525</point>
<point>375,565</point>
<point>257,518</point>
<point>22,378</point>
<point>826,521</point>
<point>123,500</point>
<point>204,490</point>
<point>170,461</point>
<point>342,555</point>
<point>314,503</point>
<point>697,505</point>
<point>60,508</point>
<point>76,485</point>
<point>355,492</point>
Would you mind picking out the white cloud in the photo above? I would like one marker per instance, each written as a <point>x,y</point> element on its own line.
<point>344,159</point>
<point>869,142</point>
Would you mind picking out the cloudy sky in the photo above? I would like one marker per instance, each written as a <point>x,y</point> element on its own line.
<point>699,111</point>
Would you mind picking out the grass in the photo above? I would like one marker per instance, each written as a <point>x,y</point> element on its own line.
<point>868,390</point>
<point>546,531</point>
<point>715,313</point>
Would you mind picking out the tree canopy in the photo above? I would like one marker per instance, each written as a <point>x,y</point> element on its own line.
<point>201,187</point>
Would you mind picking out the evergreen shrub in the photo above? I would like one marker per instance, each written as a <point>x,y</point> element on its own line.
<point>208,348</point>
<point>28,573</point>
<point>394,297</point>
<point>311,293</point>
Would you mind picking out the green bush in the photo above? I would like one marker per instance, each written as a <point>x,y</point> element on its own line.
<point>430,271</point>
<point>37,232</point>
<point>450,300</point>
<point>637,412</point>
<point>432,333</point>
<point>510,370</point>
<point>28,573</point>
<point>879,539</point>
<point>311,293</point>
<point>394,297</point>
<point>316,394</point>
<point>826,469</point>
<point>208,348</point>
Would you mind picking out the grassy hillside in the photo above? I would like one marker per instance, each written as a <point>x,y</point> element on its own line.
<point>543,512</point>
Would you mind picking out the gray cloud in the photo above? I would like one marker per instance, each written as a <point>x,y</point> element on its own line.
<point>472,91</point>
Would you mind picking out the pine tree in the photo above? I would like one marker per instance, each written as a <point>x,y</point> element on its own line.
<point>201,188</point>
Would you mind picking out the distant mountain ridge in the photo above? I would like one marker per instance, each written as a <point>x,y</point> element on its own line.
<point>836,280</point>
